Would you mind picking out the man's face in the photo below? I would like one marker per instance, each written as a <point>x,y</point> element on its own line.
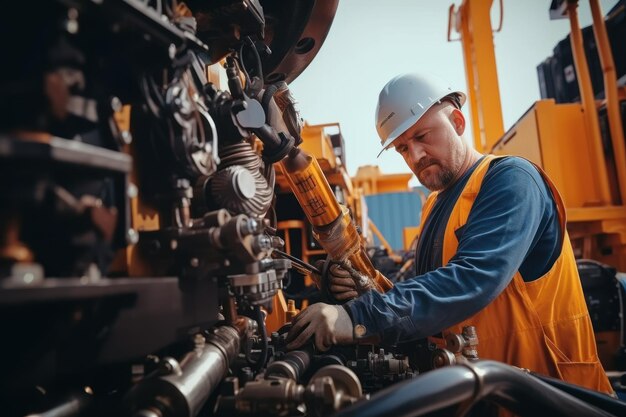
<point>433,148</point>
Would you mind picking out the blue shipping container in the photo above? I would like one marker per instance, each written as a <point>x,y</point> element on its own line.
<point>392,212</point>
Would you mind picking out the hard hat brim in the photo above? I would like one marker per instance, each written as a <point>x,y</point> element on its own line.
<point>401,129</point>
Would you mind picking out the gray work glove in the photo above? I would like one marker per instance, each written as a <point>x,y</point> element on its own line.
<point>329,324</point>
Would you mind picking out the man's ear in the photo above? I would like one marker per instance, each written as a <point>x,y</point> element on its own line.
<point>458,121</point>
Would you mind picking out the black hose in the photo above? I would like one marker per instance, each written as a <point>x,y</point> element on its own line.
<point>259,67</point>
<point>493,381</point>
<point>260,362</point>
<point>263,329</point>
<point>594,398</point>
<point>268,94</point>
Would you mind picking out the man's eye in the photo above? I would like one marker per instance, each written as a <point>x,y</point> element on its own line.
<point>401,149</point>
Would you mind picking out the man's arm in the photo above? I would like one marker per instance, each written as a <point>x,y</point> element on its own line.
<point>511,210</point>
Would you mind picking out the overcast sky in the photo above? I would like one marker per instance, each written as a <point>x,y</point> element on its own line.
<point>371,41</point>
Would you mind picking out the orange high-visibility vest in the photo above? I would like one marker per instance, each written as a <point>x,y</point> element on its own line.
<point>542,325</point>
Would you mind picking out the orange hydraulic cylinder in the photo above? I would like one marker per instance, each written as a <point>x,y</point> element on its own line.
<point>308,183</point>
<point>332,224</point>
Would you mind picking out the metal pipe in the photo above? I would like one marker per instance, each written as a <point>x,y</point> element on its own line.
<point>588,101</point>
<point>496,382</point>
<point>71,407</point>
<point>293,365</point>
<point>186,386</point>
<point>610,92</point>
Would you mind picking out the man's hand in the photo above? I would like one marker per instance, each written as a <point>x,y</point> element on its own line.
<point>330,324</point>
<point>342,285</point>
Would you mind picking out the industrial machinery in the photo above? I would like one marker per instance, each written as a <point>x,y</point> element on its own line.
<point>138,251</point>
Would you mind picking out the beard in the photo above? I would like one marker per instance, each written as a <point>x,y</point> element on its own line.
<point>435,181</point>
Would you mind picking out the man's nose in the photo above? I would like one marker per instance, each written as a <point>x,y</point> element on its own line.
<point>416,152</point>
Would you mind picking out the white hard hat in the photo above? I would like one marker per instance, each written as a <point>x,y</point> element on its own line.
<point>405,99</point>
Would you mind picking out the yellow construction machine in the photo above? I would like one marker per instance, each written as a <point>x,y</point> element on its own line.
<point>580,144</point>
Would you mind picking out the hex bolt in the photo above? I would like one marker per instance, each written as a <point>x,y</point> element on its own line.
<point>132,237</point>
<point>127,138</point>
<point>116,104</point>
<point>250,227</point>
<point>199,341</point>
<point>132,191</point>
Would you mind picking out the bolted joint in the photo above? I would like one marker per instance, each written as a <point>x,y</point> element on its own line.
<point>251,227</point>
<point>262,243</point>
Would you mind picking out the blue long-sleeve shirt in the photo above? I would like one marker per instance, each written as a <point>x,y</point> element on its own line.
<point>513,225</point>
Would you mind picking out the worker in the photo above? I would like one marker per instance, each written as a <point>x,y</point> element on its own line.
<point>493,252</point>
